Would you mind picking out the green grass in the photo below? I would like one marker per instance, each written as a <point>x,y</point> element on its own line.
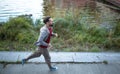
<point>16,46</point>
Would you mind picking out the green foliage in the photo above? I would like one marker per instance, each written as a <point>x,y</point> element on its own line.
<point>117,28</point>
<point>77,30</point>
<point>95,49</point>
<point>105,62</point>
<point>81,28</point>
<point>18,29</point>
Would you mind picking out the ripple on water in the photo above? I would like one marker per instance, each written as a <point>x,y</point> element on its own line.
<point>11,8</point>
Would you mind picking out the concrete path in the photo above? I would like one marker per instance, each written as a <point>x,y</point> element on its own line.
<point>67,62</point>
<point>67,68</point>
<point>74,57</point>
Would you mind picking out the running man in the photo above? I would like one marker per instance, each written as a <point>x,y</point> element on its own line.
<point>43,43</point>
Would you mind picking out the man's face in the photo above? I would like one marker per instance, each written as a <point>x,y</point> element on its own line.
<point>50,22</point>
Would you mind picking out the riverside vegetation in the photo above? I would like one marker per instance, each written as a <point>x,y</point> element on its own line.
<point>79,31</point>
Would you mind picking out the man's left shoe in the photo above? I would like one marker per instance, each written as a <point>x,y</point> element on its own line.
<point>53,68</point>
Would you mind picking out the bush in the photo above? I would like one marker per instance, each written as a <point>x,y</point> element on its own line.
<point>18,29</point>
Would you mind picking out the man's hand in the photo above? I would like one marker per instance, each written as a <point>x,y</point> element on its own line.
<point>50,46</point>
<point>56,35</point>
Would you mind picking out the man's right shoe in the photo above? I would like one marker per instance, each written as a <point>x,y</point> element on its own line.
<point>53,68</point>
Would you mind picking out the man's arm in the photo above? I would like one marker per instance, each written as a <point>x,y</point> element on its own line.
<point>42,36</point>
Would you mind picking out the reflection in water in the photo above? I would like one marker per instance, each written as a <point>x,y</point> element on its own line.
<point>52,7</point>
<point>11,8</point>
<point>92,10</point>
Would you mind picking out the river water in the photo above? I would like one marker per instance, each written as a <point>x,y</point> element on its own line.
<point>12,8</point>
<point>40,8</point>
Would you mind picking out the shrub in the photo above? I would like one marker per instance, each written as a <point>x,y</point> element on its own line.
<point>18,29</point>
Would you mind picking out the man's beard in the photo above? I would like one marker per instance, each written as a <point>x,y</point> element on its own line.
<point>51,25</point>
